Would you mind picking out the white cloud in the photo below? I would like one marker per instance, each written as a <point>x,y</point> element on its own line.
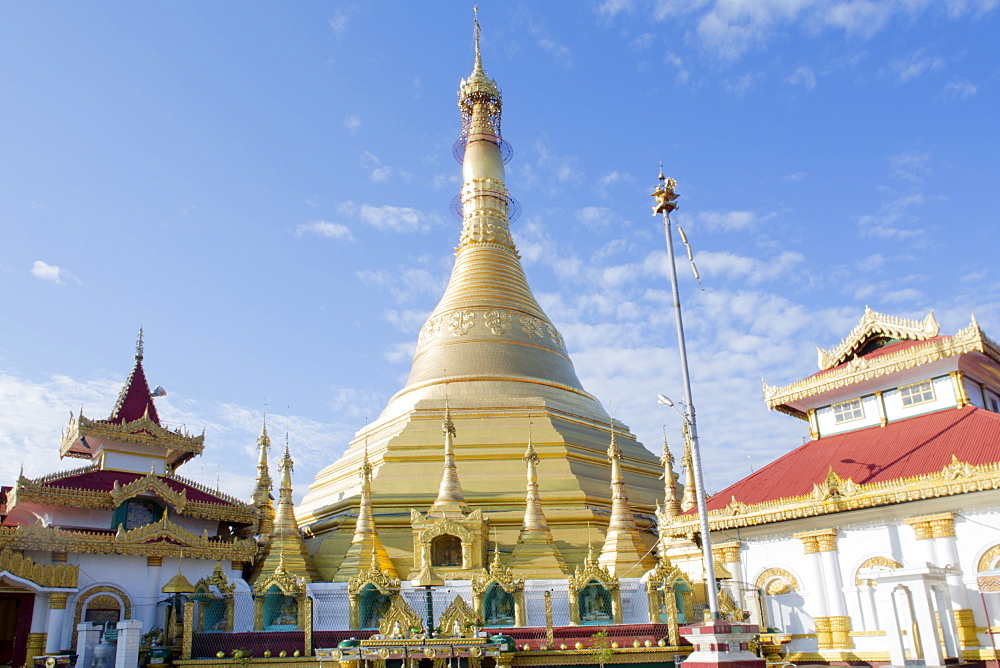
<point>912,167</point>
<point>728,221</point>
<point>914,65</point>
<point>611,8</point>
<point>674,60</point>
<point>46,272</point>
<point>352,122</point>
<point>802,76</point>
<point>642,42</point>
<point>893,220</point>
<point>743,84</point>
<point>402,219</point>
<point>325,229</point>
<point>559,51</point>
<point>595,217</point>
<point>959,90</point>
<point>862,18</point>
<point>340,18</point>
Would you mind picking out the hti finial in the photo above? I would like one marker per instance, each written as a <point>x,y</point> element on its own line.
<point>475,21</point>
<point>138,347</point>
<point>665,195</point>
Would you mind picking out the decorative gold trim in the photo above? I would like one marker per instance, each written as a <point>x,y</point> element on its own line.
<point>399,619</point>
<point>43,575</point>
<point>874,562</point>
<point>455,621</point>
<point>969,339</point>
<point>776,581</point>
<point>26,490</point>
<point>874,324</point>
<point>163,538</point>
<point>143,431</point>
<point>837,495</point>
<point>989,557</point>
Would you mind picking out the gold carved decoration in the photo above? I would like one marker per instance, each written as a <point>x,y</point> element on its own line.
<point>399,619</point>
<point>460,322</point>
<point>969,339</point>
<point>39,491</point>
<point>503,577</point>
<point>873,325</point>
<point>218,580</point>
<point>874,562</point>
<point>590,572</point>
<point>836,495</point>
<point>532,327</point>
<point>776,581</point>
<point>456,620</point>
<point>280,578</point>
<point>163,538</point>
<point>374,576</point>
<point>988,561</point>
<point>180,445</point>
<point>43,575</point>
<point>498,322</point>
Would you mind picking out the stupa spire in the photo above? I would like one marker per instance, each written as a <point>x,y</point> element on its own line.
<point>450,500</point>
<point>366,547</point>
<point>535,551</point>
<point>623,548</point>
<point>687,500</point>
<point>671,504</point>
<point>286,547</point>
<point>262,497</point>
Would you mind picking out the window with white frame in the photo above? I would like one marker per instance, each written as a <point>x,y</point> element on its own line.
<point>918,393</point>
<point>847,411</point>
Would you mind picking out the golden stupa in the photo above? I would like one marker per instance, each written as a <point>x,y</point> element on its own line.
<point>490,357</point>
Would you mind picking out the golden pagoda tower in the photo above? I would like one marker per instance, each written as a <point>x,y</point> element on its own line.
<point>535,551</point>
<point>624,552</point>
<point>491,349</point>
<point>687,500</point>
<point>366,551</point>
<point>285,546</point>
<point>262,499</point>
<point>671,504</point>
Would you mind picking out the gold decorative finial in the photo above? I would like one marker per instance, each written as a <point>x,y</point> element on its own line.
<point>665,195</point>
<point>475,21</point>
<point>138,347</point>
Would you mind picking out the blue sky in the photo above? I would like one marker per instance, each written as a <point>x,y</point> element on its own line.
<point>265,188</point>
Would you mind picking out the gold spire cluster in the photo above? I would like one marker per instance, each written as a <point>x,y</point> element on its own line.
<point>536,551</point>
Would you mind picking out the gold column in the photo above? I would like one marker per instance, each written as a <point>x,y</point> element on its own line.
<point>59,557</point>
<point>966,624</point>
<point>307,625</point>
<point>35,646</point>
<point>187,639</point>
<point>880,402</point>
<point>57,600</point>
<point>824,635</point>
<point>813,424</point>
<point>959,378</point>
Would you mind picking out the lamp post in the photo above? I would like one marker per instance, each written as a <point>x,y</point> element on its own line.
<point>665,196</point>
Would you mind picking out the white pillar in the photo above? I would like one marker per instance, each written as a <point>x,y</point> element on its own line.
<point>87,637</point>
<point>149,609</point>
<point>923,610</point>
<point>54,624</point>
<point>129,636</point>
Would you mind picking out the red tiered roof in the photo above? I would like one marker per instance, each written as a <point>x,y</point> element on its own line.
<point>135,399</point>
<point>906,448</point>
<point>104,481</point>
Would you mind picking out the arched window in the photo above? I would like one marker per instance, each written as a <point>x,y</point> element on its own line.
<point>446,550</point>
<point>595,604</point>
<point>374,604</point>
<point>498,606</point>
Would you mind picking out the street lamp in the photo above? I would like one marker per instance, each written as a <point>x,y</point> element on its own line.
<point>665,196</point>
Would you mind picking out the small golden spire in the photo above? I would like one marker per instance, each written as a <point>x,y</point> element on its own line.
<point>138,347</point>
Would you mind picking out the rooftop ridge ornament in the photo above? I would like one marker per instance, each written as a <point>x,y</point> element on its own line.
<point>138,347</point>
<point>873,323</point>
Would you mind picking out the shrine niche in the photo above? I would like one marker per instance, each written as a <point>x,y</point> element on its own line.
<point>279,601</point>
<point>458,620</point>
<point>214,596</point>
<point>400,620</point>
<point>669,595</point>
<point>498,596</point>
<point>370,596</point>
<point>594,595</point>
<point>451,545</point>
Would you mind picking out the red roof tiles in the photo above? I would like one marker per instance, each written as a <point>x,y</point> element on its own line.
<point>902,449</point>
